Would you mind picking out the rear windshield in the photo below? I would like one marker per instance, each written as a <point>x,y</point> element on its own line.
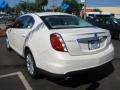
<point>64,21</point>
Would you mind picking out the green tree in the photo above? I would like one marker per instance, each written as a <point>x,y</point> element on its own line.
<point>9,10</point>
<point>31,6</point>
<point>57,9</point>
<point>22,5</point>
<point>96,10</point>
<point>75,7</point>
<point>41,4</point>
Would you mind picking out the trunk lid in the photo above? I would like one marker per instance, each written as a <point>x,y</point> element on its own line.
<point>84,41</point>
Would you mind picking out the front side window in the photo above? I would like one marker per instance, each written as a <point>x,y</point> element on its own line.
<point>64,21</point>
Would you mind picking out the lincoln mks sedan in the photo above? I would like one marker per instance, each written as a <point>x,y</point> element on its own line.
<point>58,43</point>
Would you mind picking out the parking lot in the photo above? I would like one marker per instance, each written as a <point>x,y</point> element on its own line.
<point>13,75</point>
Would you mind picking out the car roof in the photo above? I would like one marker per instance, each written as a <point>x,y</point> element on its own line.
<point>50,13</point>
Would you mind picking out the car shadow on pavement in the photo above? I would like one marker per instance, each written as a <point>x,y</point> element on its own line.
<point>91,77</point>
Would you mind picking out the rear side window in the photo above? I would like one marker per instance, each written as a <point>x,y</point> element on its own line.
<point>24,22</point>
<point>28,22</point>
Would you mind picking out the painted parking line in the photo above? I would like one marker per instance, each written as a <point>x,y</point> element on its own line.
<point>22,78</point>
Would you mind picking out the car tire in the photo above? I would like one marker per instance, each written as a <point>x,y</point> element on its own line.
<point>8,45</point>
<point>30,65</point>
<point>119,36</point>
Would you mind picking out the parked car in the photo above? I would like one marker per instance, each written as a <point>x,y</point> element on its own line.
<point>59,43</point>
<point>11,19</point>
<point>3,18</point>
<point>112,24</point>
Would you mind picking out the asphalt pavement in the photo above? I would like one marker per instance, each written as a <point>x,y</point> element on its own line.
<point>13,74</point>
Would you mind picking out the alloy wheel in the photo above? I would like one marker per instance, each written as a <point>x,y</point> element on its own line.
<point>30,64</point>
<point>119,36</point>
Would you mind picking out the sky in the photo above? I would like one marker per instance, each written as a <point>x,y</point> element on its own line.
<point>90,3</point>
<point>101,3</point>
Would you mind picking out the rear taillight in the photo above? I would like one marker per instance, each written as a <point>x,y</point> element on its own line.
<point>57,42</point>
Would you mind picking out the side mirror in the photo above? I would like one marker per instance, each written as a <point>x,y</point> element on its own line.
<point>9,26</point>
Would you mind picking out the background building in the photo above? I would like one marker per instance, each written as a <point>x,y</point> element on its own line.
<point>114,10</point>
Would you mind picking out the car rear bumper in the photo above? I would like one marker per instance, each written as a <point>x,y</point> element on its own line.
<point>59,63</point>
<point>75,74</point>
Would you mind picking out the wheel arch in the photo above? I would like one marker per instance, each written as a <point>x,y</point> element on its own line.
<point>26,49</point>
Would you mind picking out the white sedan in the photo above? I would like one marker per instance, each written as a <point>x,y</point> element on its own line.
<point>59,43</point>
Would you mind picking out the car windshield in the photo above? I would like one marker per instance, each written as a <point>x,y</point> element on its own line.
<point>64,21</point>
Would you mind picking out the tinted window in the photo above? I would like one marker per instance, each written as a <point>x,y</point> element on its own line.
<point>24,22</point>
<point>64,21</point>
<point>28,22</point>
<point>116,21</point>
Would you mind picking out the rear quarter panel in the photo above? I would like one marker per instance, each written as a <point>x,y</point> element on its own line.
<point>39,43</point>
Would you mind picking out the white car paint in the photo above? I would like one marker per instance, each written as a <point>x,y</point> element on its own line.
<point>78,57</point>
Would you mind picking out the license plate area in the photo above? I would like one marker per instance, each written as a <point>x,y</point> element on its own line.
<point>93,44</point>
